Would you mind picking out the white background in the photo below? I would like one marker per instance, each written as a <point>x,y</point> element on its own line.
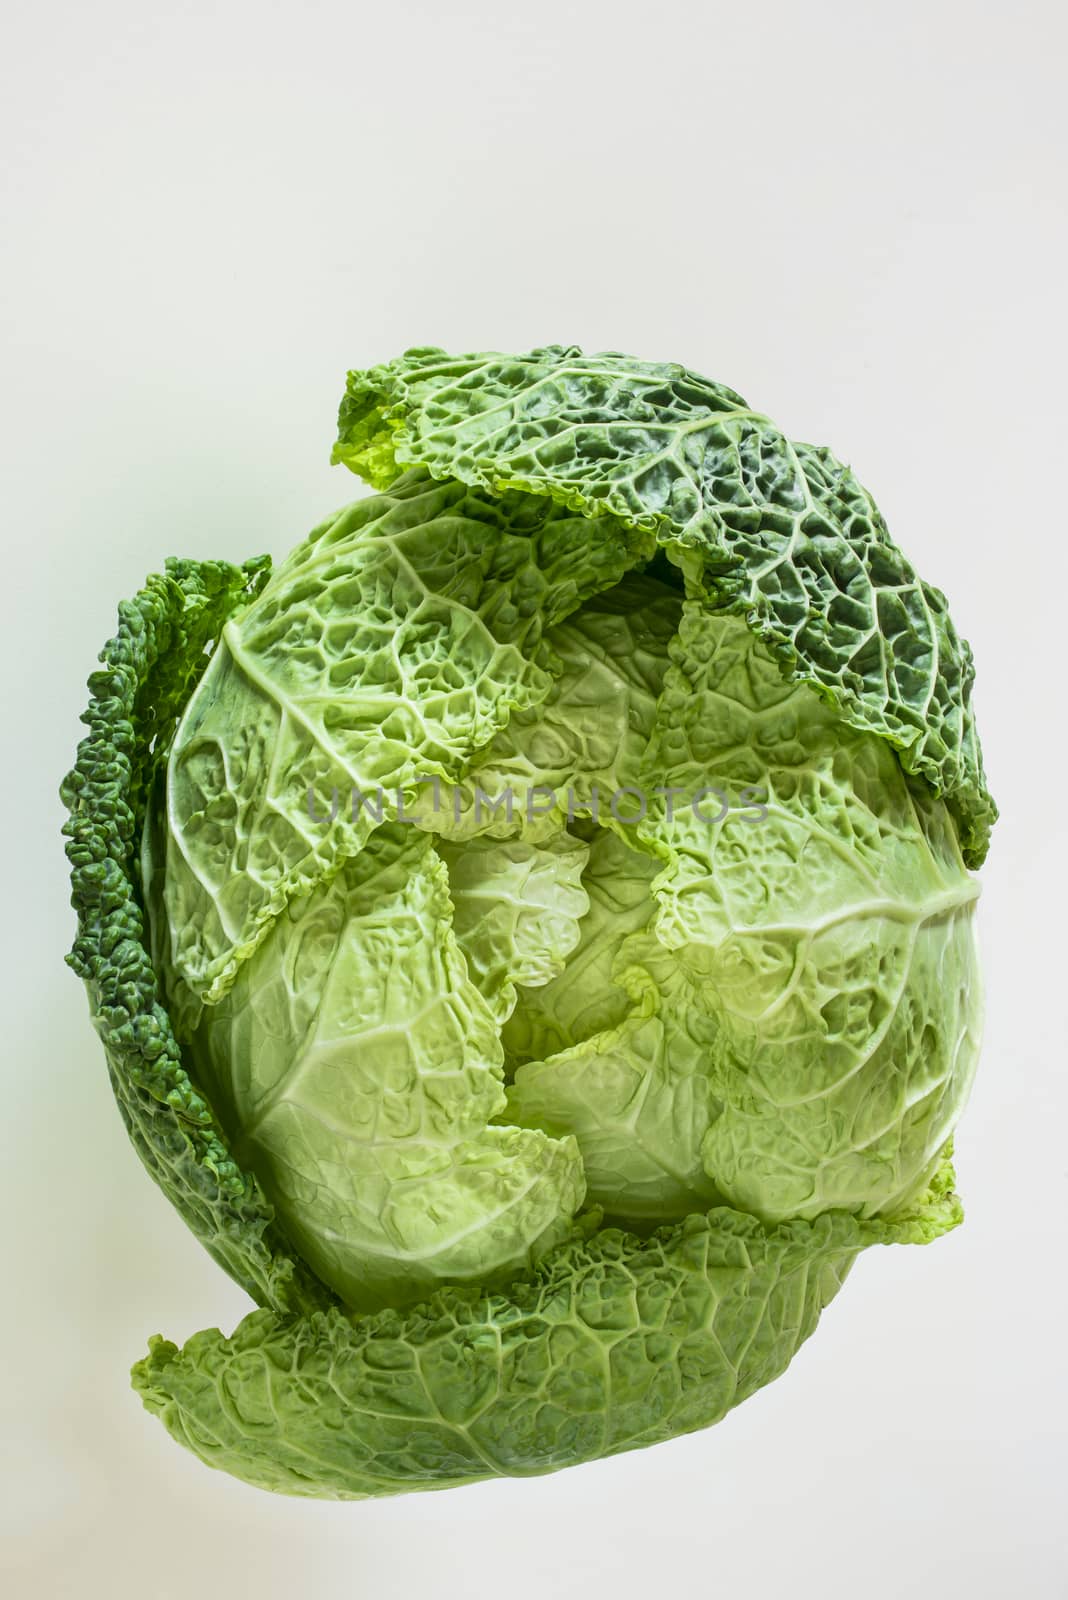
<point>853,213</point>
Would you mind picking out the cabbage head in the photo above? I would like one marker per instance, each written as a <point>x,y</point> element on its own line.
<point>531,929</point>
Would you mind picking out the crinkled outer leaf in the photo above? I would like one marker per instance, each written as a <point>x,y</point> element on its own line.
<point>517,907</point>
<point>147,671</point>
<point>389,647</point>
<point>612,1343</point>
<point>357,1065</point>
<point>781,532</point>
<point>833,938</point>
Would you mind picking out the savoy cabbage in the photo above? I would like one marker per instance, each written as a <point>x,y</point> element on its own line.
<point>531,930</point>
